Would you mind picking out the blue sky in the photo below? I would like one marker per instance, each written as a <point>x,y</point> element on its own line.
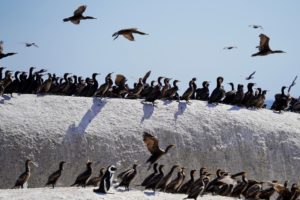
<point>186,39</point>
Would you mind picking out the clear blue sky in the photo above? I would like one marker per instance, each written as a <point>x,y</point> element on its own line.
<point>186,39</point>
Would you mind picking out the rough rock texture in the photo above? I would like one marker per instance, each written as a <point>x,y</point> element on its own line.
<point>49,129</point>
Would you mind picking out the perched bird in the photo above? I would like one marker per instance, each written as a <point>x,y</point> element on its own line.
<point>203,93</point>
<point>24,177</point>
<point>164,182</point>
<point>152,146</point>
<point>148,178</point>
<point>174,185</point>
<point>55,175</point>
<point>30,44</point>
<point>128,33</point>
<point>185,187</point>
<point>190,91</point>
<point>264,48</point>
<point>218,93</point>
<point>230,95</point>
<point>230,47</point>
<point>106,180</point>
<point>281,101</point>
<point>256,26</point>
<point>77,16</point>
<point>82,178</point>
<point>3,55</point>
<point>127,176</point>
<point>95,181</point>
<point>156,179</point>
<point>250,76</point>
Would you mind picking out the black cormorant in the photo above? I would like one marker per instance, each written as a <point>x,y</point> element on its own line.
<point>77,16</point>
<point>82,178</point>
<point>128,33</point>
<point>264,48</point>
<point>52,179</point>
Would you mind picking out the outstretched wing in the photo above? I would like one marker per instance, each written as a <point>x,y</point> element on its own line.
<point>1,46</point>
<point>146,76</point>
<point>128,36</point>
<point>264,43</point>
<point>80,10</point>
<point>252,74</point>
<point>293,83</point>
<point>151,143</point>
<point>139,32</point>
<point>120,80</point>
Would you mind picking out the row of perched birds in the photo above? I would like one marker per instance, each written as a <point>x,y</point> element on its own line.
<point>223,184</point>
<point>34,83</point>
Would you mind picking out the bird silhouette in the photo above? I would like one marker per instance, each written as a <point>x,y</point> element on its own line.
<point>264,48</point>
<point>77,15</point>
<point>30,44</point>
<point>256,26</point>
<point>230,47</point>
<point>250,76</point>
<point>128,33</point>
<point>3,55</point>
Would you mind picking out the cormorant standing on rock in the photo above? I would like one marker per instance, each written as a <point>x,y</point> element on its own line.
<point>52,179</point>
<point>104,88</point>
<point>153,146</point>
<point>5,82</point>
<point>218,94</point>
<point>14,85</point>
<point>240,187</point>
<point>82,178</point>
<point>106,181</point>
<point>163,183</point>
<point>127,176</point>
<point>77,16</point>
<point>148,178</point>
<point>239,95</point>
<point>248,95</point>
<point>174,185</point>
<point>46,86</point>
<point>189,92</point>
<point>203,93</point>
<point>96,180</point>
<point>93,87</point>
<point>155,92</point>
<point>229,96</point>
<point>156,179</point>
<point>24,177</point>
<point>165,87</point>
<point>172,92</point>
<point>281,101</point>
<point>184,188</point>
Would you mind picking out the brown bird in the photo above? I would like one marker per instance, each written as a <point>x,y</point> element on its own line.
<point>152,146</point>
<point>95,181</point>
<point>264,48</point>
<point>55,176</point>
<point>128,33</point>
<point>3,55</point>
<point>127,176</point>
<point>77,16</point>
<point>82,178</point>
<point>24,177</point>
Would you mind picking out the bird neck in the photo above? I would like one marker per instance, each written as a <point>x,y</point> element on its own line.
<point>27,167</point>
<point>282,91</point>
<point>168,148</point>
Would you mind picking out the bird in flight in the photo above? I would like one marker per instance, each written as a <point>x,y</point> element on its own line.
<point>77,15</point>
<point>3,55</point>
<point>30,44</point>
<point>256,26</point>
<point>128,33</point>
<point>264,48</point>
<point>250,76</point>
<point>153,147</point>
<point>230,47</point>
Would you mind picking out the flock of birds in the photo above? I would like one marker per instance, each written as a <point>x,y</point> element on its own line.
<point>33,83</point>
<point>223,184</point>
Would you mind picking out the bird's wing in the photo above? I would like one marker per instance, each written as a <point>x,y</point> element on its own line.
<point>53,176</point>
<point>146,76</point>
<point>151,143</point>
<point>129,36</point>
<point>1,46</point>
<point>80,10</point>
<point>293,83</point>
<point>139,32</point>
<point>125,173</point>
<point>75,21</point>
<point>21,178</point>
<point>35,45</point>
<point>264,43</point>
<point>120,80</point>
<point>252,74</point>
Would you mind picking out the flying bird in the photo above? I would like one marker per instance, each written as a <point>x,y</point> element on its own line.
<point>264,48</point>
<point>3,55</point>
<point>77,16</point>
<point>293,83</point>
<point>30,44</point>
<point>153,146</point>
<point>256,26</point>
<point>230,47</point>
<point>250,76</point>
<point>128,33</point>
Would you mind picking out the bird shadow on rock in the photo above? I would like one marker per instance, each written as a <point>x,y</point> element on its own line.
<point>148,110</point>
<point>149,193</point>
<point>167,102</point>
<point>181,108</point>
<point>234,108</point>
<point>4,98</point>
<point>212,105</point>
<point>89,115</point>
